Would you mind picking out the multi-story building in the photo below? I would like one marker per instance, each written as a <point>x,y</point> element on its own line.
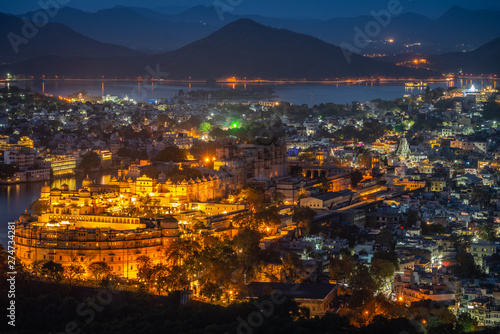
<point>118,241</point>
<point>260,161</point>
<point>437,184</point>
<point>22,159</point>
<point>106,158</point>
<point>87,226</point>
<point>330,200</point>
<point>410,184</point>
<point>481,249</point>
<point>478,147</point>
<point>61,165</point>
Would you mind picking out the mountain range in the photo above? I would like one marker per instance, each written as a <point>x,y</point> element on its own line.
<point>242,49</point>
<point>51,39</point>
<point>483,60</point>
<point>158,31</point>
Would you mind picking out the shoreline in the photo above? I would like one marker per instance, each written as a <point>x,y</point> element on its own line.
<point>262,81</point>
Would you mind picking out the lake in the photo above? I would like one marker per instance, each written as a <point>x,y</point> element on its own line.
<point>301,93</point>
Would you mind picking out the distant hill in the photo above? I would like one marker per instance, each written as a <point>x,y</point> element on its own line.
<point>456,29</point>
<point>484,60</point>
<point>468,27</point>
<point>53,39</point>
<point>169,28</point>
<point>242,49</point>
<point>245,48</point>
<point>137,28</point>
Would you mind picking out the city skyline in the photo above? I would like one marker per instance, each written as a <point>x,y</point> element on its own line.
<point>250,167</point>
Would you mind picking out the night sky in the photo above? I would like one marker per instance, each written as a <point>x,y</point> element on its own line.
<point>322,9</point>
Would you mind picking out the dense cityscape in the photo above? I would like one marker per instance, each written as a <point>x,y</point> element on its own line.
<point>227,209</point>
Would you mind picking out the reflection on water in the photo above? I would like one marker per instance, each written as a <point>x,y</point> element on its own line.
<point>70,182</point>
<point>296,93</point>
<point>14,199</point>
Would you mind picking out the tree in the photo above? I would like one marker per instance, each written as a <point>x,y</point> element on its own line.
<point>292,267</point>
<point>342,269</point>
<point>466,267</point>
<point>205,127</point>
<point>303,216</point>
<point>124,152</point>
<point>466,323</point>
<point>7,171</point>
<point>324,185</point>
<point>279,197</point>
<point>296,171</point>
<point>385,237</point>
<point>186,254</point>
<point>150,171</point>
<point>269,217</point>
<point>381,270</point>
<point>219,261</point>
<point>3,263</point>
<point>90,161</point>
<point>53,271</point>
<point>365,161</point>
<point>171,153</point>
<point>39,206</point>
<point>144,268</point>
<point>246,221</point>
<point>218,133</point>
<point>487,231</point>
<point>363,286</point>
<point>413,217</point>
<point>246,245</point>
<point>252,197</point>
<point>172,278</point>
<point>392,257</point>
<point>100,270</point>
<point>37,268</point>
<point>356,177</point>
<point>74,272</point>
<point>431,229</point>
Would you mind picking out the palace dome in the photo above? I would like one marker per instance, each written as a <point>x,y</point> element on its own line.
<point>25,216</point>
<point>169,222</point>
<point>87,182</point>
<point>45,188</point>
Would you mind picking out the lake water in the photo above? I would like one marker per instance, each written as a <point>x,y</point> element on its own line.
<point>294,93</point>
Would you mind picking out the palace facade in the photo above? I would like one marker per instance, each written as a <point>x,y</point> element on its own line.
<point>100,222</point>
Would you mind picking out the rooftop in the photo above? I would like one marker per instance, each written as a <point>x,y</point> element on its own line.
<point>330,195</point>
<point>301,291</point>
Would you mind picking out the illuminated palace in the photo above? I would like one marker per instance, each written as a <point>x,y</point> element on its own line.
<point>100,222</point>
